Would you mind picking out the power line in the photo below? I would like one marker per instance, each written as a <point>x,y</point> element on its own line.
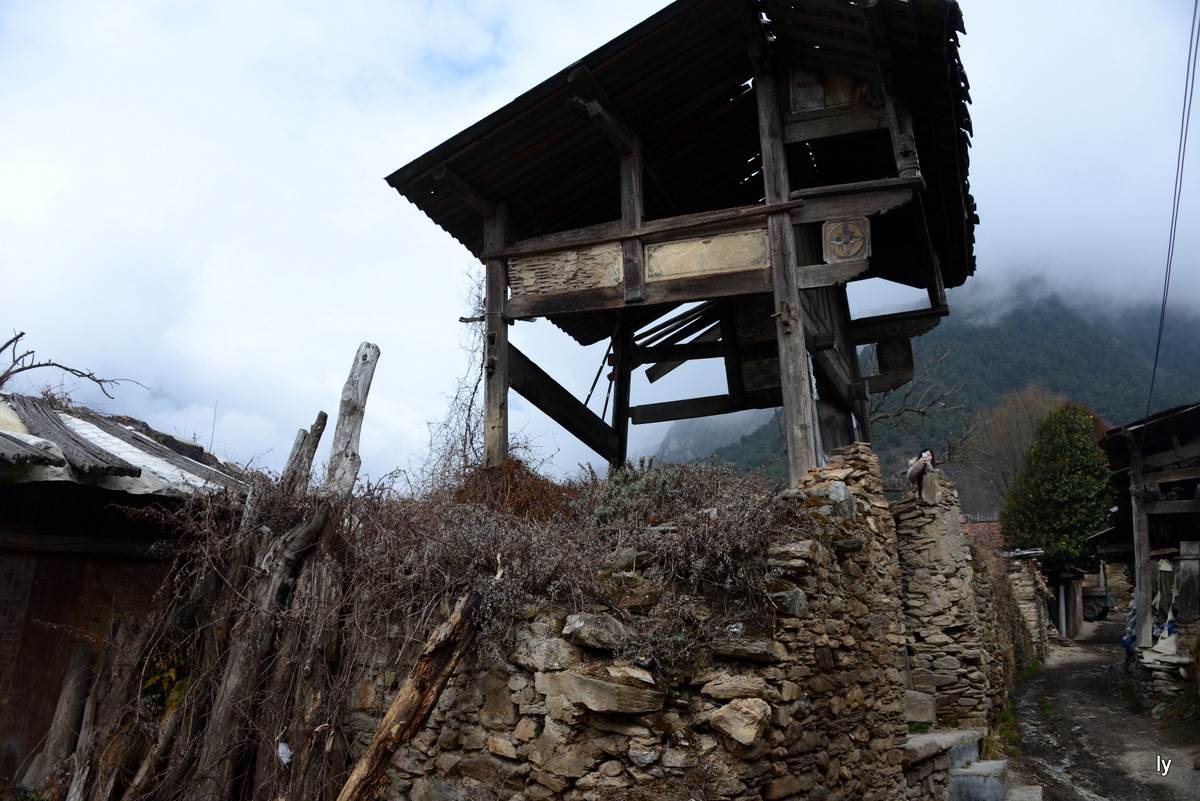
<point>1189,85</point>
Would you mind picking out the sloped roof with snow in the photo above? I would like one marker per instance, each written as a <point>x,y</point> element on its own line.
<point>40,441</point>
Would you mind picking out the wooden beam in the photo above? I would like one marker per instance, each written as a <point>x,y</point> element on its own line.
<point>533,384</point>
<point>886,381</point>
<point>703,407</point>
<point>622,138</point>
<point>863,199</point>
<point>679,290</point>
<point>1176,454</point>
<point>495,346</point>
<point>52,543</point>
<point>1142,591</point>
<point>1164,476</point>
<point>902,325</point>
<point>865,203</point>
<point>443,175</point>
<point>1172,507</point>
<point>815,276</point>
<point>809,126</point>
<point>15,452</point>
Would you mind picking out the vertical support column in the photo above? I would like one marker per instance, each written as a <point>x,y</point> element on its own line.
<point>1188,581</point>
<point>734,379</point>
<point>623,372</point>
<point>495,344</point>
<point>1143,592</point>
<point>789,314</point>
<point>632,214</point>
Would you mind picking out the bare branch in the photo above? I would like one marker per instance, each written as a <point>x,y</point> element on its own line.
<point>26,361</point>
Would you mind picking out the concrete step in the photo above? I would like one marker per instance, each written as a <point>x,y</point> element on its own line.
<point>1024,792</point>
<point>961,745</point>
<point>979,781</point>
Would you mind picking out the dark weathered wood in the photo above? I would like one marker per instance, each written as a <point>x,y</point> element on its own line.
<point>299,464</point>
<point>77,544</point>
<point>1188,581</point>
<point>632,212</point>
<point>414,701</point>
<point>251,640</point>
<point>344,459</point>
<point>703,407</point>
<point>734,379</point>
<point>1172,507</point>
<point>617,132</point>
<point>825,124</point>
<point>537,387</point>
<point>904,141</point>
<point>815,276</point>
<point>852,204</point>
<point>679,290</point>
<point>622,348</point>
<point>160,451</point>
<point>83,455</point>
<point>495,343</point>
<point>856,199</point>
<point>712,346</point>
<point>1178,453</point>
<point>888,381</point>
<point>15,452</point>
<point>902,325</point>
<point>458,186</point>
<point>795,379</point>
<point>1142,590</point>
<point>1165,476</point>
<point>671,357</point>
<point>68,714</point>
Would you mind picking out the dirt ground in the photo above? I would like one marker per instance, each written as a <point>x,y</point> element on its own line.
<point>1081,739</point>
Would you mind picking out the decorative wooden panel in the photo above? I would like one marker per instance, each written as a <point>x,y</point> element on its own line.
<point>566,270</point>
<point>721,253</point>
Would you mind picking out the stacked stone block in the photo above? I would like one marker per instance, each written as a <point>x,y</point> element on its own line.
<point>814,709</point>
<point>947,629</point>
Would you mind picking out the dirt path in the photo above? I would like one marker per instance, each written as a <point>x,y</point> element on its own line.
<point>1081,740</point>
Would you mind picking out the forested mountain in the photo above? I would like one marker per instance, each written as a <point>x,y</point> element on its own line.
<point>1102,360</point>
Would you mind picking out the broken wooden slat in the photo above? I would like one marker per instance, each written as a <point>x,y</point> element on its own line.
<point>414,701</point>
<point>537,387</point>
<point>149,446</point>
<point>84,456</point>
<point>15,452</point>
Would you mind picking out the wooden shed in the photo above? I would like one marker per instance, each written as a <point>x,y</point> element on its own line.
<point>80,546</point>
<point>703,187</point>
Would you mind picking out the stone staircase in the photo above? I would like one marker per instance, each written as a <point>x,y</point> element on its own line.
<point>944,765</point>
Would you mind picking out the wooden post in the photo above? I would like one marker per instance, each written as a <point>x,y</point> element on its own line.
<point>495,345</point>
<point>1188,581</point>
<point>1142,593</point>
<point>795,377</point>
<point>344,460</point>
<point>632,212</point>
<point>623,372</point>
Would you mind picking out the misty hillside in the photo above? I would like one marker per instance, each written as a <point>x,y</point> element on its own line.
<point>1103,361</point>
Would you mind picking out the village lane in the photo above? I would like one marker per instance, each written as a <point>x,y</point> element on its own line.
<point>1082,739</point>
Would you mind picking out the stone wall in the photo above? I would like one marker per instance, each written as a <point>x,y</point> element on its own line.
<point>1031,593</point>
<point>946,647</point>
<point>812,709</point>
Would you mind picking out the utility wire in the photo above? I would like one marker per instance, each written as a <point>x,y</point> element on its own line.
<point>1189,85</point>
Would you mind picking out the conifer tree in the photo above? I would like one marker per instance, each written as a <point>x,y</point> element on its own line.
<point>1062,494</point>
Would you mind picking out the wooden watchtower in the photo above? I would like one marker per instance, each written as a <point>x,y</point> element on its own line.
<point>704,186</point>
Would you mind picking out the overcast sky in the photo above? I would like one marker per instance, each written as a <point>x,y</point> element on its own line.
<point>192,194</point>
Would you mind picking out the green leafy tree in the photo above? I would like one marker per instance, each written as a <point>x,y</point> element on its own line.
<point>1062,494</point>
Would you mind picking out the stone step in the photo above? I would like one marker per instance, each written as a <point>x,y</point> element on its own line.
<point>980,781</point>
<point>1024,792</point>
<point>961,745</point>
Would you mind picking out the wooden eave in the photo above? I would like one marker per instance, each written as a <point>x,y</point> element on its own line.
<point>681,81</point>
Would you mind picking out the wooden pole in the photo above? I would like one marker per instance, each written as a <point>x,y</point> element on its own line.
<point>795,378</point>
<point>495,346</point>
<point>1142,593</point>
<point>623,370</point>
<point>344,460</point>
<point>413,703</point>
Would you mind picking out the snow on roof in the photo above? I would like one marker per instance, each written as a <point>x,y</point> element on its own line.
<point>39,442</point>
